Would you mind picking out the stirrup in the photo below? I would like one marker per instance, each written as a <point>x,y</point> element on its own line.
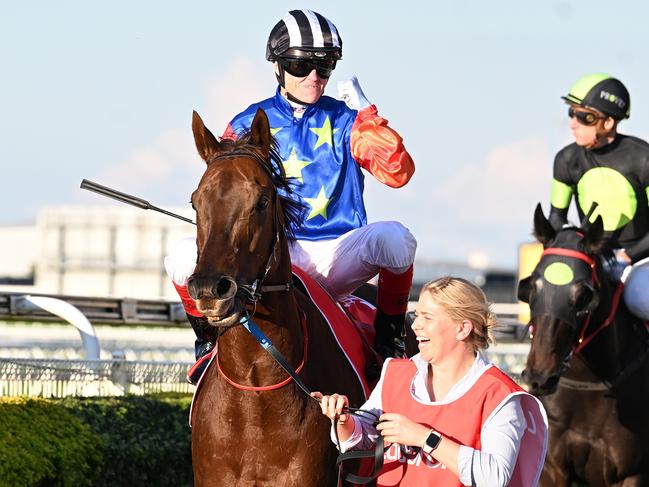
<point>196,371</point>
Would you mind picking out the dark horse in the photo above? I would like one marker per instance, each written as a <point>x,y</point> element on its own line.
<point>587,363</point>
<point>252,425</point>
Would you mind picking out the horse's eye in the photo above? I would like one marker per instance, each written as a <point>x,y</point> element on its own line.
<point>583,298</point>
<point>262,204</point>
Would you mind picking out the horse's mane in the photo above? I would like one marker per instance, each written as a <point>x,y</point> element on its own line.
<point>291,209</point>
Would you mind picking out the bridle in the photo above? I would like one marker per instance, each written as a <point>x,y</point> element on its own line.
<point>251,293</point>
<point>576,254</point>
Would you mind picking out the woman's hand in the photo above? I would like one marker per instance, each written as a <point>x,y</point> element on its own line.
<point>333,406</point>
<point>397,428</point>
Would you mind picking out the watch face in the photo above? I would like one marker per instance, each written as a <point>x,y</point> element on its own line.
<point>433,440</point>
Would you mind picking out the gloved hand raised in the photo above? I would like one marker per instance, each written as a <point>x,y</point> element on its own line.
<point>350,92</point>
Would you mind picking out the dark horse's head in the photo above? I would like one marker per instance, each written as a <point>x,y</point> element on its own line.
<point>562,293</point>
<point>242,220</point>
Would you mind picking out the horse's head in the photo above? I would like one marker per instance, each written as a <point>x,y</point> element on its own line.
<point>240,219</point>
<point>562,293</point>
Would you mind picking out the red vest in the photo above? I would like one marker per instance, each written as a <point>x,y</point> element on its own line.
<point>460,420</point>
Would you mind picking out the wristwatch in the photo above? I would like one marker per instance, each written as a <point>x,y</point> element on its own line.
<point>431,442</point>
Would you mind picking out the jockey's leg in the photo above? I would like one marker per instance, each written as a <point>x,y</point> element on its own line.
<point>343,264</point>
<point>636,290</point>
<point>180,264</point>
<point>392,305</point>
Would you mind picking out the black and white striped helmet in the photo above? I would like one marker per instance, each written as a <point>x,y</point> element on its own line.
<point>304,34</point>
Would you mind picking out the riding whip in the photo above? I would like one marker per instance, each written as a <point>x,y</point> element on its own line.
<point>587,216</point>
<point>128,199</point>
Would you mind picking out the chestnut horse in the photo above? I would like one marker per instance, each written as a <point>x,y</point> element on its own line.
<point>252,425</point>
<point>587,363</point>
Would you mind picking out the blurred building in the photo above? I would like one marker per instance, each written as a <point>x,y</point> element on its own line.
<point>19,246</point>
<point>118,251</point>
<point>498,284</point>
<point>92,251</point>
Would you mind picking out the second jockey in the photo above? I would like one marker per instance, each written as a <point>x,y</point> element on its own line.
<point>324,143</point>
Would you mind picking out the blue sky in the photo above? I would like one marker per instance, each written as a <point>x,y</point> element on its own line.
<point>105,91</point>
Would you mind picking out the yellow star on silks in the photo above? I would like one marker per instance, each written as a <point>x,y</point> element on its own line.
<point>318,205</point>
<point>273,131</point>
<point>293,166</point>
<point>324,133</point>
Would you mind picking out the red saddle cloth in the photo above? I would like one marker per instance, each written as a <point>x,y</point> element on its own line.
<point>350,320</point>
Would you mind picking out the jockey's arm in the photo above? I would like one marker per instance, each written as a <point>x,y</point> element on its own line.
<point>561,195</point>
<point>638,250</point>
<point>558,217</point>
<point>379,149</point>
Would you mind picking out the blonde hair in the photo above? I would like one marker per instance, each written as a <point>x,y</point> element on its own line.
<point>463,300</point>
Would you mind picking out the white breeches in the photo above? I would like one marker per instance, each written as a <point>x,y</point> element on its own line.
<point>636,289</point>
<point>340,265</point>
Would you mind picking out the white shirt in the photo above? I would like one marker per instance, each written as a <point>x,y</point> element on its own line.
<point>500,437</point>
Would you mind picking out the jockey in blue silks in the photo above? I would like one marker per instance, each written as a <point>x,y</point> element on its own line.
<point>325,144</point>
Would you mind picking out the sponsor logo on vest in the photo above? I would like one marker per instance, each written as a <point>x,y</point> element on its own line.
<point>393,454</point>
<point>612,98</point>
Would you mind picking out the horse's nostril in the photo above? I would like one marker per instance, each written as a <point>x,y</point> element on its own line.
<point>191,289</point>
<point>225,288</point>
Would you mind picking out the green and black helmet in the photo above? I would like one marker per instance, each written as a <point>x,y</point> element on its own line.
<point>603,93</point>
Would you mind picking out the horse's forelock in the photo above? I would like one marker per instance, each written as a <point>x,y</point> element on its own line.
<point>291,209</point>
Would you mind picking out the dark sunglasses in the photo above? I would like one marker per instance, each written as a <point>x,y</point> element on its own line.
<point>302,67</point>
<point>584,118</point>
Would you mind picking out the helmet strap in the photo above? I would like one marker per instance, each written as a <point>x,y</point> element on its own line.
<point>604,137</point>
<point>279,74</point>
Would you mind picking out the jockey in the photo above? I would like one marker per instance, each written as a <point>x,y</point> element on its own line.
<point>612,170</point>
<point>324,144</point>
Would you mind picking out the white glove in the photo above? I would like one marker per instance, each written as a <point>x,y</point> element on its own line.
<point>350,92</point>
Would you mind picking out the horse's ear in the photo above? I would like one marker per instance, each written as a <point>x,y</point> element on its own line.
<point>260,131</point>
<point>543,229</point>
<point>594,238</point>
<point>206,143</point>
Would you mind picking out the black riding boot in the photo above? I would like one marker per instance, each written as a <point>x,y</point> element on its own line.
<point>204,344</point>
<point>388,341</point>
<point>390,334</point>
